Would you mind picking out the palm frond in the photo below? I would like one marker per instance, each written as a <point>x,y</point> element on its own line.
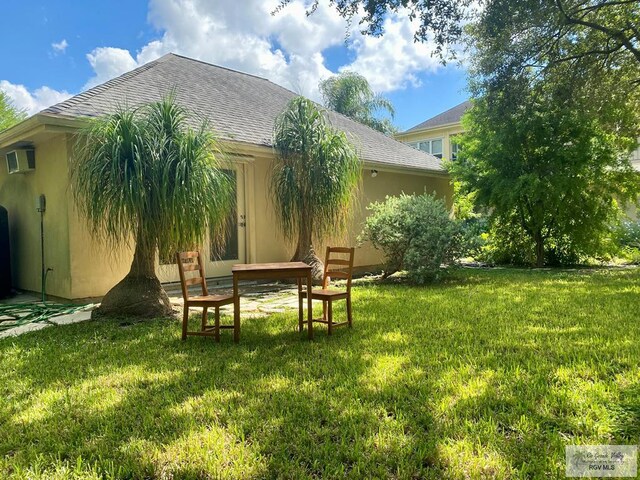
<point>145,174</point>
<point>317,172</point>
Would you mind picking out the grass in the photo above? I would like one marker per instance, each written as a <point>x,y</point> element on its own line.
<point>489,375</point>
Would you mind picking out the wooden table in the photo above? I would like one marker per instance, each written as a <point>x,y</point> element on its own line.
<point>272,271</point>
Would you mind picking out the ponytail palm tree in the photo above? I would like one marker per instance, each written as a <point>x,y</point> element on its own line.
<point>144,176</point>
<point>314,180</point>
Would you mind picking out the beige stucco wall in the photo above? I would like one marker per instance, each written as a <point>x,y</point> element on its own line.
<point>271,246</point>
<point>84,267</point>
<point>18,194</point>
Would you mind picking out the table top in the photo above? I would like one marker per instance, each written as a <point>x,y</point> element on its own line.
<point>265,267</point>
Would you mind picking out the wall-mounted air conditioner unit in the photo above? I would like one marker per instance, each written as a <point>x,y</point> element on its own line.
<point>21,160</point>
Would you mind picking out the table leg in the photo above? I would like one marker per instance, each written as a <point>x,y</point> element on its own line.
<point>300,306</point>
<point>309,305</point>
<point>236,310</point>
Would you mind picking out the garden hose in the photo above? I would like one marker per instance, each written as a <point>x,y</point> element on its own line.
<point>16,315</point>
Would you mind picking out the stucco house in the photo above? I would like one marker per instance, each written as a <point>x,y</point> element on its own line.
<point>241,108</point>
<point>437,135</point>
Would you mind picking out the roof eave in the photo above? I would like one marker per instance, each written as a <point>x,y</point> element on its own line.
<point>426,129</point>
<point>39,121</point>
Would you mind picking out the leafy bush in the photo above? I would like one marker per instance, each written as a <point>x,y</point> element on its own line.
<point>627,239</point>
<point>508,243</point>
<point>415,233</point>
<point>628,234</point>
<point>474,234</point>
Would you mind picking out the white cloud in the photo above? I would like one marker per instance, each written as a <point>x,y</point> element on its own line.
<point>107,63</point>
<point>286,48</point>
<point>32,102</point>
<point>60,47</point>
<point>392,61</point>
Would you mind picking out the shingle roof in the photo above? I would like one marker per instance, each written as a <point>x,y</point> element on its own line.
<point>453,115</point>
<point>239,106</point>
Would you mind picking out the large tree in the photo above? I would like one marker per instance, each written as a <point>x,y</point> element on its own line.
<point>547,167</point>
<point>440,21</point>
<point>314,180</point>
<point>9,114</point>
<point>349,93</point>
<point>143,176</point>
<point>563,29</point>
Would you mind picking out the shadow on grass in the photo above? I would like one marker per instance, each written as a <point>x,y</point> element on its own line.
<point>489,374</point>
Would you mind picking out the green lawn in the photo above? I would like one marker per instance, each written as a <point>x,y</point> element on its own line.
<point>488,375</point>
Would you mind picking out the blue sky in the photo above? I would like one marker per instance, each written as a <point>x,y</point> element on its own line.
<point>51,50</point>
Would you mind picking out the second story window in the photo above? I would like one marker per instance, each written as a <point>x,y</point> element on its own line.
<point>434,146</point>
<point>455,149</point>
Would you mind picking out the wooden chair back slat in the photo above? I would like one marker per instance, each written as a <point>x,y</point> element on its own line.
<point>191,262</point>
<point>338,261</point>
<point>193,281</point>
<point>190,267</point>
<point>342,273</point>
<point>185,255</point>
<point>338,274</point>
<point>342,249</point>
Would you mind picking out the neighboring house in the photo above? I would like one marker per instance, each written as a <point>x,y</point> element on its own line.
<point>437,135</point>
<point>241,108</point>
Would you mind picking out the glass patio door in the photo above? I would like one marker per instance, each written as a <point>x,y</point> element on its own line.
<point>220,260</point>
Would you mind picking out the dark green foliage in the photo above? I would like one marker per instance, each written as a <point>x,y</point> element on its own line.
<point>349,93</point>
<point>9,114</point>
<point>143,173</point>
<point>415,233</point>
<point>144,176</point>
<point>315,178</point>
<point>546,166</point>
<point>474,232</point>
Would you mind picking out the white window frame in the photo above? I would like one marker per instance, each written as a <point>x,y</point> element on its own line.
<point>429,146</point>
<point>452,142</point>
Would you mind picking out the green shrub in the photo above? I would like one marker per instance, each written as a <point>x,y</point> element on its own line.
<point>628,234</point>
<point>474,233</point>
<point>415,233</point>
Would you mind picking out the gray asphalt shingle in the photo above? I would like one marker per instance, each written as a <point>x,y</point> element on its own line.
<point>239,106</point>
<point>453,115</point>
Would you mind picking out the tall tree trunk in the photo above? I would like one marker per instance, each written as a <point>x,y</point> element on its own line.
<point>306,253</point>
<point>538,238</point>
<point>140,293</point>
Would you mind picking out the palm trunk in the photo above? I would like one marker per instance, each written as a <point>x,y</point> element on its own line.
<point>140,293</point>
<point>305,252</point>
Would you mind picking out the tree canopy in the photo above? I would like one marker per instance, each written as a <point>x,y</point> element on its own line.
<point>349,93</point>
<point>438,20</point>
<point>549,167</point>
<point>564,29</point>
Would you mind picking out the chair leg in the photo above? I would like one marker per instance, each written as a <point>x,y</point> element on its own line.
<point>330,316</point>
<point>324,310</point>
<point>216,328</point>
<point>349,311</point>
<point>204,317</point>
<point>185,320</point>
<point>300,302</point>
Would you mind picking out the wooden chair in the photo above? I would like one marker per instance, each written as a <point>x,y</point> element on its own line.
<point>343,269</point>
<point>192,262</point>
